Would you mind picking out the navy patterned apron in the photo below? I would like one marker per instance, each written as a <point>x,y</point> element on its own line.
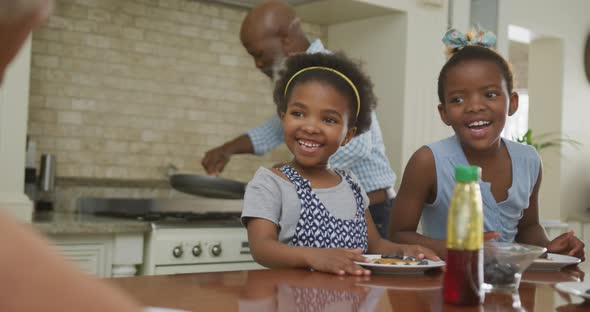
<point>317,227</point>
<point>321,300</point>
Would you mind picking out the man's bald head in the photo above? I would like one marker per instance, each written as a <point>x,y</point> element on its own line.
<point>270,17</point>
<point>271,32</point>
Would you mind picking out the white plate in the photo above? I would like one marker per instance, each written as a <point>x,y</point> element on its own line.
<point>548,277</point>
<point>401,287</point>
<point>398,269</point>
<point>574,288</point>
<point>554,263</point>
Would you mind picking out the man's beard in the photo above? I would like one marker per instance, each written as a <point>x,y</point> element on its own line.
<point>274,71</point>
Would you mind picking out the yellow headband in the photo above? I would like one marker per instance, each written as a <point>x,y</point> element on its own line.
<point>356,92</point>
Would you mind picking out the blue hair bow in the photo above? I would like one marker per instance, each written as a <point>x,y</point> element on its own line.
<point>454,39</point>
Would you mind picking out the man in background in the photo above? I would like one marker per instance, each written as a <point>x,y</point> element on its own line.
<point>270,33</point>
<point>33,277</point>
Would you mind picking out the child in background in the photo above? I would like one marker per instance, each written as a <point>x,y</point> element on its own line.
<point>305,214</point>
<point>475,89</point>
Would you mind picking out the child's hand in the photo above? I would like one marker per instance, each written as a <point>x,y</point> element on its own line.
<point>419,252</point>
<point>488,236</point>
<point>337,260</point>
<point>567,244</point>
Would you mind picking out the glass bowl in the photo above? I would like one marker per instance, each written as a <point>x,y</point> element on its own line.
<point>505,262</point>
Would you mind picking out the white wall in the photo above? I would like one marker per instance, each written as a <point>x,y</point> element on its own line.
<point>545,112</point>
<point>403,54</point>
<point>570,24</point>
<point>14,99</point>
<point>425,58</point>
<point>460,14</point>
<point>376,43</point>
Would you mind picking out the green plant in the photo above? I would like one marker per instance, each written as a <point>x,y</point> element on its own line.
<point>547,140</point>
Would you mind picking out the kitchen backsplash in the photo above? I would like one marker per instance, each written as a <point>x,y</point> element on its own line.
<point>120,89</point>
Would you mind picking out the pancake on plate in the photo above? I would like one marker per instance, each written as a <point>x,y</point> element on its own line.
<point>399,260</point>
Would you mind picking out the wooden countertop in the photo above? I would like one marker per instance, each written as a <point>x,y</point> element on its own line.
<point>302,290</point>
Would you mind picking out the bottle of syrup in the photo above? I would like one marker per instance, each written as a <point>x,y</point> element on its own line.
<point>464,275</point>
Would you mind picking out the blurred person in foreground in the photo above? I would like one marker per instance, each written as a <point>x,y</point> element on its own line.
<point>33,277</point>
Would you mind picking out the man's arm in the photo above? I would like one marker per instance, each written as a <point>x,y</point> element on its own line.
<point>267,136</point>
<point>215,159</point>
<point>258,141</point>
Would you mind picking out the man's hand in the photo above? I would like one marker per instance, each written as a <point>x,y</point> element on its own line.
<point>215,160</point>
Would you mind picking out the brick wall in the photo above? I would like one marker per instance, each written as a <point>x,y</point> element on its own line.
<point>122,88</point>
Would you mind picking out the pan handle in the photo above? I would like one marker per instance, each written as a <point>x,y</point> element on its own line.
<point>171,170</point>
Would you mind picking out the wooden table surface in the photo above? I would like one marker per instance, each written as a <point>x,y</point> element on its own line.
<point>301,290</point>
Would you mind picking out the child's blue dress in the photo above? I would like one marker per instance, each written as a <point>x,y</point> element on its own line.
<point>500,217</point>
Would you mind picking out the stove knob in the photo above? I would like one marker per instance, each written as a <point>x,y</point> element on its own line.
<point>197,250</point>
<point>216,250</point>
<point>177,252</point>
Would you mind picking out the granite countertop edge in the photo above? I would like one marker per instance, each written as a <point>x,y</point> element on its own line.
<point>78,223</point>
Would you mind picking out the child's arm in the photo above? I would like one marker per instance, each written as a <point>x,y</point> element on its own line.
<point>530,231</point>
<point>378,245</point>
<point>418,186</point>
<point>269,252</point>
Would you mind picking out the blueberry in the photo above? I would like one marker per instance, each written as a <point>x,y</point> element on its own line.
<point>497,273</point>
<point>393,256</point>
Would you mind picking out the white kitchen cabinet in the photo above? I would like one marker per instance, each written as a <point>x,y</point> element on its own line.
<point>92,254</point>
<point>554,228</point>
<point>102,255</point>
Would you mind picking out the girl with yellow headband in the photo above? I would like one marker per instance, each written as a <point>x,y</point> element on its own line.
<point>306,214</point>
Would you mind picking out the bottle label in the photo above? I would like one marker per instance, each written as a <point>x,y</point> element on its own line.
<point>465,220</point>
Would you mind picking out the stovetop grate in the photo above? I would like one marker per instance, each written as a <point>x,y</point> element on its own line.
<point>171,215</point>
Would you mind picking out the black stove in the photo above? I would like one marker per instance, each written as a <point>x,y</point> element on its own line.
<point>159,210</point>
<point>171,215</point>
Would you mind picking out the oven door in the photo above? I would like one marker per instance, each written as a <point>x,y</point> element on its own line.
<point>207,267</point>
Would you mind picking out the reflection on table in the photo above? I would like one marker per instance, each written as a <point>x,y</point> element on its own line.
<point>301,290</point>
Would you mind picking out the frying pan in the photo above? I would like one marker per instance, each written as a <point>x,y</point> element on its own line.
<point>208,186</point>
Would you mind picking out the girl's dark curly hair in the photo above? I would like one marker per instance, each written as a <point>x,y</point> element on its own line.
<point>470,53</point>
<point>340,63</point>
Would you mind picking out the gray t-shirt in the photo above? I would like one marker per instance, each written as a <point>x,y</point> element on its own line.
<point>272,197</point>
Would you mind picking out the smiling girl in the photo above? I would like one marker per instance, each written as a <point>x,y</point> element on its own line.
<point>306,214</point>
<point>475,89</point>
